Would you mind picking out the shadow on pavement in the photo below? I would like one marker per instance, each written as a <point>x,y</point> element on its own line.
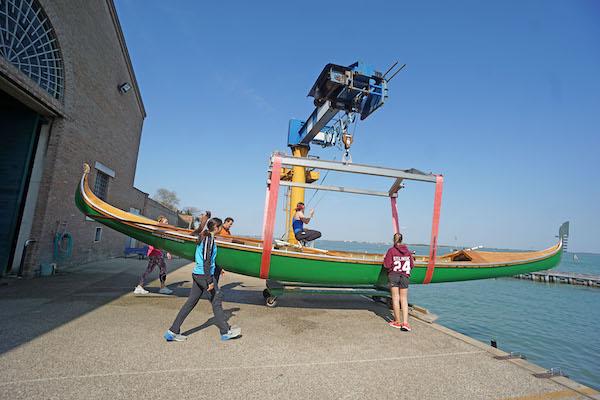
<point>232,294</point>
<point>29,308</point>
<point>211,321</point>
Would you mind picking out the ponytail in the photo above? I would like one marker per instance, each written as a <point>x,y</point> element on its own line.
<point>212,225</point>
<point>397,238</point>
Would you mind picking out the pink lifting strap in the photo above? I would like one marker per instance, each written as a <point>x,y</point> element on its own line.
<point>269,217</point>
<point>395,215</point>
<point>266,209</point>
<point>437,204</point>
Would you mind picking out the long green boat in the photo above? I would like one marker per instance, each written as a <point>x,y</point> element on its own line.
<point>289,263</point>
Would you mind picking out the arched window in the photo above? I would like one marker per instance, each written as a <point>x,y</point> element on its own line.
<point>28,41</point>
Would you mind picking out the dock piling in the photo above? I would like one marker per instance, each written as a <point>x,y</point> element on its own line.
<point>571,278</point>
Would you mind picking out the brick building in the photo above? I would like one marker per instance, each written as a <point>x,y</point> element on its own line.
<point>68,95</point>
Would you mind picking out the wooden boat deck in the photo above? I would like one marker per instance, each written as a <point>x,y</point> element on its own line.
<point>478,257</point>
<point>462,257</point>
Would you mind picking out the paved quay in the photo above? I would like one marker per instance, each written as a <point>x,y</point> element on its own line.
<point>82,334</point>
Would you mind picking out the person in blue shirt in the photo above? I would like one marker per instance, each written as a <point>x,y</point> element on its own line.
<point>303,235</point>
<point>203,281</point>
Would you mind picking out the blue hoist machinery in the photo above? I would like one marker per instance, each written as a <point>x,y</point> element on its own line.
<point>340,94</point>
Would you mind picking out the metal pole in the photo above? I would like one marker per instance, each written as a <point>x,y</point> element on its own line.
<point>389,69</point>
<point>297,193</point>
<point>22,263</point>
<point>395,73</point>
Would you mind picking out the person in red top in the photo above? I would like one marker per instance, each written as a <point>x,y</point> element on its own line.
<point>155,259</point>
<point>399,261</point>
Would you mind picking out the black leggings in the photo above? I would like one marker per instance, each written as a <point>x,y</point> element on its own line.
<point>153,261</point>
<point>199,286</point>
<point>307,235</point>
<point>218,271</point>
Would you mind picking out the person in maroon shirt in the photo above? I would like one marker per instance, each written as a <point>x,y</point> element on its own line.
<point>399,261</point>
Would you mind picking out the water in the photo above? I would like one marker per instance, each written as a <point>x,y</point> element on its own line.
<point>554,325</point>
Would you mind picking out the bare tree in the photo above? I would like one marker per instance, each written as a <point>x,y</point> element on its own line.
<point>190,210</point>
<point>167,198</point>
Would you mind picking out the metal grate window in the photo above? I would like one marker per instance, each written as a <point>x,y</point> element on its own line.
<point>28,41</point>
<point>101,185</point>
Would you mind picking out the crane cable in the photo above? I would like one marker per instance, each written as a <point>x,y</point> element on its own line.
<point>322,180</point>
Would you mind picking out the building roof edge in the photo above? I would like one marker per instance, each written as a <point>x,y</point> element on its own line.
<point>121,37</point>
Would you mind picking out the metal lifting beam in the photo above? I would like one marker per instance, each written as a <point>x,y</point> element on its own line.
<point>277,160</point>
<point>338,189</point>
<point>410,174</point>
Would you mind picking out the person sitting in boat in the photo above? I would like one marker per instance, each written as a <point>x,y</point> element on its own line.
<point>301,234</point>
<point>399,261</point>
<point>226,228</point>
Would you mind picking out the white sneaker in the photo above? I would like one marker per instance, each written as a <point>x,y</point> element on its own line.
<point>165,290</point>
<point>174,337</point>
<point>234,332</point>
<point>140,290</point>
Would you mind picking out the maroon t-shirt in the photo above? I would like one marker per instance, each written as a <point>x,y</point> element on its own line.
<point>399,260</point>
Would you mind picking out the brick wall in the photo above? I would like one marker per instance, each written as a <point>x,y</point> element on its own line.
<point>99,124</point>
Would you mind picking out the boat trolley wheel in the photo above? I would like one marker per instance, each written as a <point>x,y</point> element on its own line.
<point>271,301</point>
<point>266,293</point>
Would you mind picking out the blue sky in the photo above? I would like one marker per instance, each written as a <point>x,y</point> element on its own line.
<point>503,98</point>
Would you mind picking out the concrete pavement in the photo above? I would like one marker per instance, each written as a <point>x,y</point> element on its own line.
<point>84,335</point>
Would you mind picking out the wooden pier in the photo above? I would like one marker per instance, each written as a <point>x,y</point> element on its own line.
<point>571,278</point>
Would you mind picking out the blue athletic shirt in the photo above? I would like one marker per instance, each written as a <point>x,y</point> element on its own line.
<point>206,253</point>
<point>297,225</point>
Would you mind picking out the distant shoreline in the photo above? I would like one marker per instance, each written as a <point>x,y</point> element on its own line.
<point>427,245</point>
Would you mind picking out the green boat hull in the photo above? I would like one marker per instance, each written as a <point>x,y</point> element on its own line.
<point>247,261</point>
<point>292,269</point>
